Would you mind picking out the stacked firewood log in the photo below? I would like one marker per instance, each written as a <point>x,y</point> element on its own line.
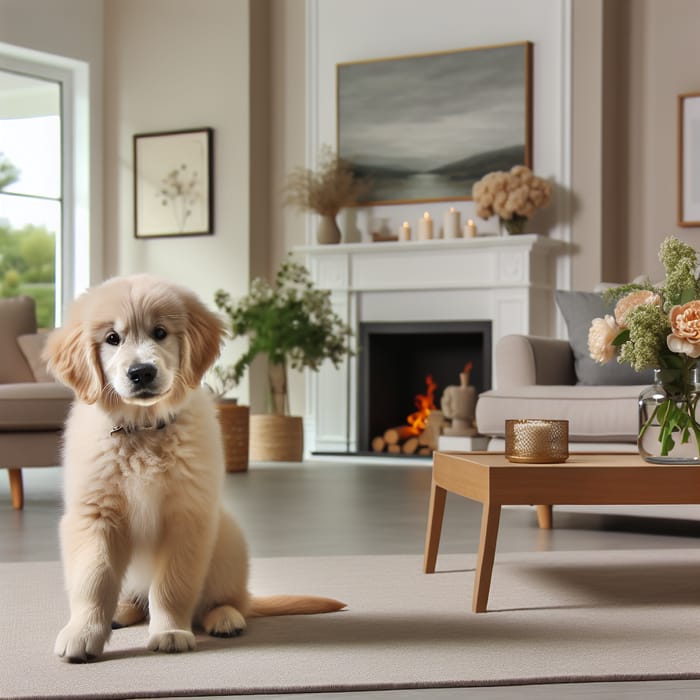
<point>409,440</point>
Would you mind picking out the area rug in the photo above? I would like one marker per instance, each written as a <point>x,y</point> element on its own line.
<point>552,617</point>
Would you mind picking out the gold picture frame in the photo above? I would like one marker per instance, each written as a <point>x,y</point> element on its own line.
<point>424,128</point>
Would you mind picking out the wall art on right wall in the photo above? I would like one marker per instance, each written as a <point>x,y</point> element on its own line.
<point>689,159</point>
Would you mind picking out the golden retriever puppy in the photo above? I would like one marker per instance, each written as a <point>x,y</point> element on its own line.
<point>144,533</point>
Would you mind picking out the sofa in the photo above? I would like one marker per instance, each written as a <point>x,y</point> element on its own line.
<point>536,378</point>
<point>553,378</point>
<point>33,408</point>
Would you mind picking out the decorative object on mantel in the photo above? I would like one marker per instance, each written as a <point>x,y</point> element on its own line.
<point>451,226</point>
<point>513,196</point>
<point>659,327</point>
<point>405,231</point>
<point>332,188</point>
<point>292,323</point>
<point>425,227</point>
<point>381,232</point>
<point>470,229</point>
<point>458,404</point>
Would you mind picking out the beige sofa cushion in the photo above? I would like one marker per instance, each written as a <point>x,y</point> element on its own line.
<point>31,346</point>
<point>34,406</point>
<point>17,317</point>
<point>595,413</point>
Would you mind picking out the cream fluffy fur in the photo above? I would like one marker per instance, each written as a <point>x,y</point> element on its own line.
<point>144,533</point>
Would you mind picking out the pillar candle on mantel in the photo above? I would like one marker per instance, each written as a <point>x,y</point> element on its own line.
<point>425,227</point>
<point>470,229</point>
<point>405,231</point>
<point>451,224</point>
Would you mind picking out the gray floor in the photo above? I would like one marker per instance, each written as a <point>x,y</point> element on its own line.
<point>321,508</point>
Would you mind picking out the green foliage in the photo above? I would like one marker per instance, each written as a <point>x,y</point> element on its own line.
<point>27,266</point>
<point>290,321</point>
<point>9,173</point>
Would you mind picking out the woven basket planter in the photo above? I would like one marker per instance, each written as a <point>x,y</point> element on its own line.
<point>235,432</point>
<point>276,438</point>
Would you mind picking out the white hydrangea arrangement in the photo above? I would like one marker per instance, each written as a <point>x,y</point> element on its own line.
<point>513,196</point>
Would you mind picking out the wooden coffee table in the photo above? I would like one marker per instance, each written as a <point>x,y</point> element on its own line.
<point>585,479</point>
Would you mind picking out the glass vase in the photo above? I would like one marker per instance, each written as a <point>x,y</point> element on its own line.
<point>514,226</point>
<point>669,432</point>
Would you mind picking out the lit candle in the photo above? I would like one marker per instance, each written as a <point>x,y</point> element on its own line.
<point>425,227</point>
<point>405,231</point>
<point>451,224</point>
<point>470,229</point>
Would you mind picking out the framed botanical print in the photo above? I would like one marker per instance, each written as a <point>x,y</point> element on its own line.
<point>173,183</point>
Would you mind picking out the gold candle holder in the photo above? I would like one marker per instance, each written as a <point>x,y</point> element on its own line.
<point>537,441</point>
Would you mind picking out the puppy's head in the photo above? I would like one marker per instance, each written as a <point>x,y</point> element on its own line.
<point>138,341</point>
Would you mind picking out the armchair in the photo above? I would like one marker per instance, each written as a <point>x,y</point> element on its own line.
<point>33,408</point>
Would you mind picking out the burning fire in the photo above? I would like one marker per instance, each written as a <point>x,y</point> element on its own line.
<point>425,404</point>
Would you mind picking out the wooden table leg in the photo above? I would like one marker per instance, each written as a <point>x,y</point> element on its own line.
<point>432,536</point>
<point>544,517</point>
<point>490,518</point>
<point>16,488</point>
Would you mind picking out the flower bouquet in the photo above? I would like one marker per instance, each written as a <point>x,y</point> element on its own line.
<point>658,326</point>
<point>513,196</point>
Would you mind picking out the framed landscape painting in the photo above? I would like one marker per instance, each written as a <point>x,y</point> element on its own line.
<point>427,127</point>
<point>173,188</point>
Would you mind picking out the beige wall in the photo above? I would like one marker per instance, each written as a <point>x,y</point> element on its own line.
<point>631,60</point>
<point>663,64</point>
<point>168,66</point>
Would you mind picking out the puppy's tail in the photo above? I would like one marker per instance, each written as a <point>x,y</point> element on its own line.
<point>292,605</point>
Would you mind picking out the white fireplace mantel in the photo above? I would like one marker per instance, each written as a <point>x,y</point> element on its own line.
<point>506,280</point>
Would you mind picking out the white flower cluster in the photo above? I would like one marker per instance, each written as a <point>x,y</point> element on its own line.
<point>509,194</point>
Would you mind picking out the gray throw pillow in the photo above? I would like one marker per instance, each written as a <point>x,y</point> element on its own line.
<point>578,310</point>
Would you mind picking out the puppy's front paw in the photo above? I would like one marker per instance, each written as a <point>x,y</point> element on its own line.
<point>172,641</point>
<point>79,643</point>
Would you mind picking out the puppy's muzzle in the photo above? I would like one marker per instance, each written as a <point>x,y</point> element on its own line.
<point>142,375</point>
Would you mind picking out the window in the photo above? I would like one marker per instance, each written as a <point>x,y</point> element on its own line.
<point>45,144</point>
<point>31,199</point>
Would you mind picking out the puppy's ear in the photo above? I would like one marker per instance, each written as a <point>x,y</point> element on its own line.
<point>204,333</point>
<point>72,358</point>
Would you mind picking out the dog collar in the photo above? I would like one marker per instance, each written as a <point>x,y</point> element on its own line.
<point>129,428</point>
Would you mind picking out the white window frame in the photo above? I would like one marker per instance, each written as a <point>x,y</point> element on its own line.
<point>73,246</point>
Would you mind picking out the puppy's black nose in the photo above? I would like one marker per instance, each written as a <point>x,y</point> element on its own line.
<point>142,374</point>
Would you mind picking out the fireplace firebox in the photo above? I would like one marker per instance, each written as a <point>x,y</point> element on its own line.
<point>395,360</point>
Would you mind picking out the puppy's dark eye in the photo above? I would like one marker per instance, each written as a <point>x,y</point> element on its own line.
<point>159,333</point>
<point>113,338</point>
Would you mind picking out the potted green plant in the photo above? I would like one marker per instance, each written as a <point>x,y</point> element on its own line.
<point>293,324</point>
<point>331,188</point>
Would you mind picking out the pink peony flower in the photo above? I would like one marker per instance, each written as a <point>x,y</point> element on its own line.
<point>632,301</point>
<point>685,329</point>
<point>600,337</point>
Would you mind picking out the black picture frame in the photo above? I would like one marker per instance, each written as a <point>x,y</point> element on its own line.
<point>174,183</point>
